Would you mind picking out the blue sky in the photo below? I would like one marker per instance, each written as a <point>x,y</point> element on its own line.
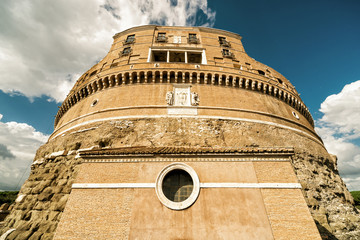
<point>315,44</point>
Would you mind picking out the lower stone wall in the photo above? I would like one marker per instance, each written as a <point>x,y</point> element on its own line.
<point>328,199</point>
<point>42,199</point>
<point>46,191</point>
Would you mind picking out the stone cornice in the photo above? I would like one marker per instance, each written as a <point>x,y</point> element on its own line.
<point>181,151</point>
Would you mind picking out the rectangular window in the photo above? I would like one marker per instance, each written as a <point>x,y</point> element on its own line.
<point>161,37</point>
<point>159,56</point>
<point>126,51</point>
<point>177,56</point>
<point>193,38</point>
<point>130,39</point>
<point>223,42</point>
<point>194,57</point>
<point>227,53</point>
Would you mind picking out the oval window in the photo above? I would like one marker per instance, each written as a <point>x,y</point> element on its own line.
<point>295,115</point>
<point>177,186</point>
<point>94,102</point>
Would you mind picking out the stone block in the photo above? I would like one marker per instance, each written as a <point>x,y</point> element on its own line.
<point>36,236</point>
<point>46,194</point>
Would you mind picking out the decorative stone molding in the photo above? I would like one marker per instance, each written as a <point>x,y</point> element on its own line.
<point>181,77</point>
<point>195,100</point>
<point>170,98</point>
<point>188,151</point>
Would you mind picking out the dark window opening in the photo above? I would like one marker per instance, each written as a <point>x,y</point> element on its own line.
<point>177,57</point>
<point>93,73</point>
<point>177,185</point>
<point>194,57</point>
<point>193,38</point>
<point>279,80</point>
<point>160,56</point>
<point>227,53</point>
<point>161,37</point>
<point>130,39</point>
<point>126,51</point>
<point>224,42</point>
<point>114,64</point>
<point>261,72</point>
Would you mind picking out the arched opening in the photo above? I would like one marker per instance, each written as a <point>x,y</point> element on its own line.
<point>119,79</point>
<point>149,76</point>
<point>100,84</point>
<point>141,77</point>
<point>157,77</point>
<point>172,77</point>
<point>134,77</point>
<point>179,77</point>
<point>164,76</point>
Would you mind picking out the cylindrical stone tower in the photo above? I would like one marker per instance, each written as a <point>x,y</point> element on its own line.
<point>178,134</point>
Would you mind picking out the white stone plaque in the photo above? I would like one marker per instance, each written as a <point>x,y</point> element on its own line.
<point>182,96</point>
<point>182,101</point>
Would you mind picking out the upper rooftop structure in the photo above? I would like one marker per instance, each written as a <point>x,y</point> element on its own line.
<point>158,55</point>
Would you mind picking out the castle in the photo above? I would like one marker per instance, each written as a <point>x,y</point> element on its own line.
<point>178,134</point>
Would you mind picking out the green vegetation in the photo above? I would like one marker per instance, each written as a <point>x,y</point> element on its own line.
<point>8,197</point>
<point>356,196</point>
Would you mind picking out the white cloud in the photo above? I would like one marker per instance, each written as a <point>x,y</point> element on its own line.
<point>340,129</point>
<point>46,45</point>
<point>18,143</point>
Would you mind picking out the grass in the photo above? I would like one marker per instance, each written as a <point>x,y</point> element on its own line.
<point>8,197</point>
<point>356,196</point>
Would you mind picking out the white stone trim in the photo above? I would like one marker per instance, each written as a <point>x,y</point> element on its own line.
<point>113,185</point>
<point>178,110</point>
<point>7,233</point>
<point>149,56</point>
<point>57,154</point>
<point>203,57</point>
<point>201,185</point>
<point>251,185</point>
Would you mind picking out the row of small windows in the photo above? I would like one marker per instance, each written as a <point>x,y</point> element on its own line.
<point>162,38</point>
<point>129,40</point>
<point>176,56</point>
<point>173,56</point>
<point>192,39</point>
<point>180,57</point>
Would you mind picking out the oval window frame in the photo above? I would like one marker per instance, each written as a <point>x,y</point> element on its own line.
<point>295,115</point>
<point>96,101</point>
<point>194,194</point>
